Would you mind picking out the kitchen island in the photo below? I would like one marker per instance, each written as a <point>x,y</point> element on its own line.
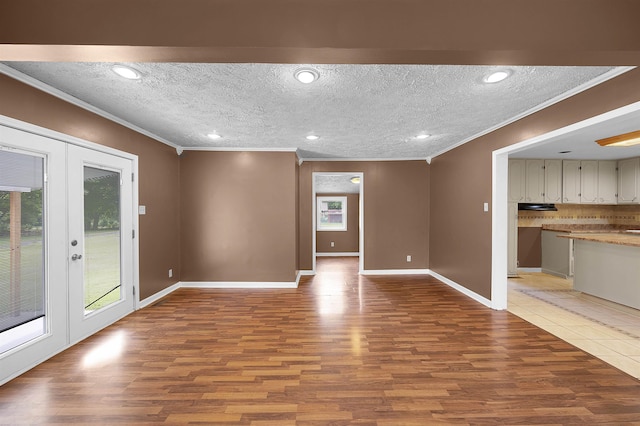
<point>607,265</point>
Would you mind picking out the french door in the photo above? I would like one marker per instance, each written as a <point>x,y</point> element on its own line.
<point>100,240</point>
<point>67,251</point>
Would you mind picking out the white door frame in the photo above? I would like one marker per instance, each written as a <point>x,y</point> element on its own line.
<point>500,179</point>
<point>360,215</point>
<point>27,356</point>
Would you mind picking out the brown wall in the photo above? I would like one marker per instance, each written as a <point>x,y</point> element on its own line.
<point>396,211</point>
<point>529,247</point>
<point>159,173</point>
<point>345,241</point>
<point>460,239</point>
<point>238,216</point>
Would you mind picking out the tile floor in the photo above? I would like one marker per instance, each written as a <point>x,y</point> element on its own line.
<point>604,329</point>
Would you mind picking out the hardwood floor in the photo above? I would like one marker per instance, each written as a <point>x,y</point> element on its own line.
<point>340,349</point>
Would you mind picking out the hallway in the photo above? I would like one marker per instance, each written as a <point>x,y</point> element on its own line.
<point>341,349</point>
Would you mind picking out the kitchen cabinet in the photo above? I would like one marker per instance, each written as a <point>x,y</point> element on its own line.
<point>534,186</point>
<point>588,182</point>
<point>557,254</point>
<point>571,181</point>
<point>629,181</point>
<point>607,182</point>
<point>512,242</point>
<point>517,181</point>
<point>553,181</point>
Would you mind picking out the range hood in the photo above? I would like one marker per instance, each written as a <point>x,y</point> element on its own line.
<point>538,207</point>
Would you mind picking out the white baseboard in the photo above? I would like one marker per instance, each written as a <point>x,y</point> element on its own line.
<point>307,272</point>
<point>338,254</point>
<point>238,284</point>
<point>395,272</point>
<point>472,294</point>
<point>529,270</point>
<point>159,295</point>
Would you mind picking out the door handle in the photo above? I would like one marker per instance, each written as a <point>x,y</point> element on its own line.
<point>76,257</point>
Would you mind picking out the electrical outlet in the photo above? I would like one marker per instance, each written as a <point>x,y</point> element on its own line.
<point>408,258</point>
<point>170,273</point>
<point>333,244</point>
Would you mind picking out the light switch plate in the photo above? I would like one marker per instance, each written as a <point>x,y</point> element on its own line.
<point>486,207</point>
<point>142,209</point>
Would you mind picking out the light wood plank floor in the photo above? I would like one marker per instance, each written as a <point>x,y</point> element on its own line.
<point>340,349</point>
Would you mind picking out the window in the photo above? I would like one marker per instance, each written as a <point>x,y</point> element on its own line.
<point>332,213</point>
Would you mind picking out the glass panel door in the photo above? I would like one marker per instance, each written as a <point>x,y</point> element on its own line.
<point>22,257</point>
<point>100,240</point>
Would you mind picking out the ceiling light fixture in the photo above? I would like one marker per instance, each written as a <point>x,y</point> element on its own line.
<point>312,137</point>
<point>355,179</point>
<point>213,136</point>
<point>306,75</point>
<point>497,76</point>
<point>126,72</point>
<point>422,136</point>
<point>626,139</point>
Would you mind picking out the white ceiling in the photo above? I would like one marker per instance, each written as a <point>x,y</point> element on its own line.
<point>336,184</point>
<point>358,111</point>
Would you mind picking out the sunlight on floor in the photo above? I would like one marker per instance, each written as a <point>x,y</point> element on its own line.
<point>603,329</point>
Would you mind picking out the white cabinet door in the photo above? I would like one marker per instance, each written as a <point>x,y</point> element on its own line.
<point>607,182</point>
<point>571,181</point>
<point>588,182</point>
<point>553,181</point>
<point>517,181</point>
<point>535,181</point>
<point>628,176</point>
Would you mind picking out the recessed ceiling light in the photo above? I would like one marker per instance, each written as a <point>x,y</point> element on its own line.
<point>497,76</point>
<point>422,136</point>
<point>626,139</point>
<point>213,136</point>
<point>312,137</point>
<point>306,75</point>
<point>355,179</point>
<point>126,72</point>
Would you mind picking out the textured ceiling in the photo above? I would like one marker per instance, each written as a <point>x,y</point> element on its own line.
<point>336,184</point>
<point>358,111</point>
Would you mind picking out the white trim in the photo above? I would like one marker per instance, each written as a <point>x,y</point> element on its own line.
<point>529,270</point>
<point>239,284</point>
<point>157,296</point>
<point>338,254</point>
<point>298,275</point>
<point>472,294</point>
<point>364,159</point>
<point>585,86</point>
<point>395,272</point>
<point>360,215</point>
<point>237,149</point>
<point>306,272</point>
<point>17,75</point>
<point>499,178</point>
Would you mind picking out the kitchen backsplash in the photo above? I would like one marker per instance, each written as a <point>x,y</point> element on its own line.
<point>581,214</point>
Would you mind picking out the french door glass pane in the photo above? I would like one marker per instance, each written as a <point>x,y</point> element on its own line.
<point>102,283</point>
<point>22,283</point>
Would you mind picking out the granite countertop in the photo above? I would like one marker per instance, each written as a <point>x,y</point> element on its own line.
<point>615,237</point>
<point>597,228</point>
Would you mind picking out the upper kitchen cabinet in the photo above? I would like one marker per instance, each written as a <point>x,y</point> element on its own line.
<point>607,182</point>
<point>571,181</point>
<point>517,181</point>
<point>530,181</point>
<point>629,181</point>
<point>589,182</point>
<point>552,181</point>
<point>534,187</point>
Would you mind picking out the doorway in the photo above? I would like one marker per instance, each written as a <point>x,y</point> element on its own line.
<point>67,250</point>
<point>334,215</point>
